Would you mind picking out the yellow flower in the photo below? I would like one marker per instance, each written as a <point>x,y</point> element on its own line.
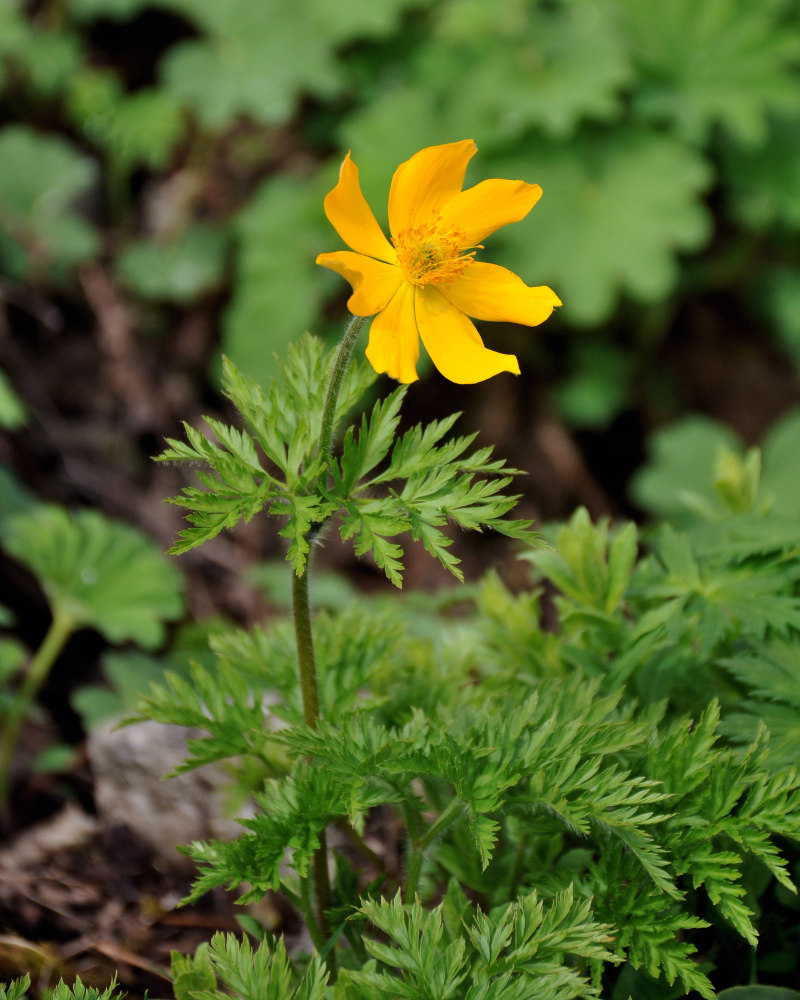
<point>426,282</point>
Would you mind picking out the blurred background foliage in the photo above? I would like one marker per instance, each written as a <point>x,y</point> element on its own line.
<point>162,170</point>
<point>163,164</point>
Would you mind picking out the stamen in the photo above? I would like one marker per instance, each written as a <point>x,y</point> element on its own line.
<point>429,254</point>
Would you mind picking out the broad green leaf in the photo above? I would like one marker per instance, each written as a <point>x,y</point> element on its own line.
<point>258,59</point>
<point>677,481</point>
<point>704,62</point>
<point>143,129</point>
<point>179,271</point>
<point>608,222</point>
<point>139,128</point>
<point>46,57</point>
<point>277,287</point>
<point>42,177</point>
<point>97,573</point>
<point>543,65</point>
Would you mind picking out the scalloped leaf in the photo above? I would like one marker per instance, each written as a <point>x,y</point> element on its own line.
<point>704,62</point>
<point>223,75</point>
<point>676,483</point>
<point>543,65</point>
<point>97,573</point>
<point>615,213</point>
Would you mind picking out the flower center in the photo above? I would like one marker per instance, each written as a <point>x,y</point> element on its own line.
<point>429,254</point>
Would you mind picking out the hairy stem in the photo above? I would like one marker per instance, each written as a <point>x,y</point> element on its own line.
<point>304,635</point>
<point>340,366</point>
<point>435,830</point>
<point>305,907</point>
<point>305,648</point>
<point>60,630</point>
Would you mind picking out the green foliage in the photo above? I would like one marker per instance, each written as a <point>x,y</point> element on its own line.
<point>514,758</point>
<point>191,972</point>
<point>128,675</point>
<point>138,129</point>
<point>46,58</point>
<point>80,992</point>
<point>15,990</point>
<point>179,271</point>
<point>41,179</point>
<point>97,573</point>
<point>277,281</point>
<point>675,482</point>
<point>746,68</point>
<point>221,75</point>
<point>629,226</point>
<point>761,181</point>
<point>421,486</point>
<point>12,410</point>
<point>769,675</point>
<point>228,966</point>
<point>657,804</point>
<point>518,951</point>
<point>605,787</point>
<point>628,114</point>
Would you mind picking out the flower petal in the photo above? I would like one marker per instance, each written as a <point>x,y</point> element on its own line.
<point>487,291</point>
<point>487,206</point>
<point>453,342</point>
<point>426,182</point>
<point>373,281</point>
<point>352,218</point>
<point>393,339</point>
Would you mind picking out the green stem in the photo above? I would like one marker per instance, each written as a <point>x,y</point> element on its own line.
<point>340,366</point>
<point>305,649</point>
<point>308,913</point>
<point>304,635</point>
<point>60,630</point>
<point>435,830</point>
